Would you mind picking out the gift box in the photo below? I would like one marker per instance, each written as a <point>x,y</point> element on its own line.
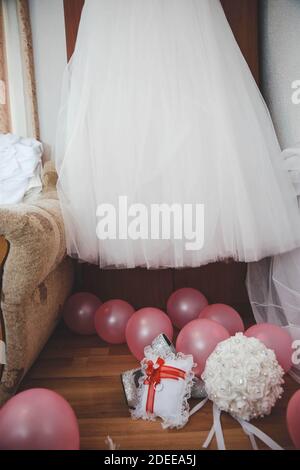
<point>161,346</point>
<point>164,389</point>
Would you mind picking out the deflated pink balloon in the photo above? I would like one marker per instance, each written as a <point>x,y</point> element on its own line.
<point>226,316</point>
<point>276,338</point>
<point>111,320</point>
<point>200,338</point>
<point>79,313</point>
<point>293,419</point>
<point>185,305</point>
<point>144,326</point>
<point>38,419</point>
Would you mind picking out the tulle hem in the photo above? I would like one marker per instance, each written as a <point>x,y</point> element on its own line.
<point>205,261</point>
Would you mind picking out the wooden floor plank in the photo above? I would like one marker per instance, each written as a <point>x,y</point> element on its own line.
<point>86,371</point>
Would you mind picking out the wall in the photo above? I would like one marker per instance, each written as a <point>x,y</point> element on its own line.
<point>49,43</point>
<point>281,65</point>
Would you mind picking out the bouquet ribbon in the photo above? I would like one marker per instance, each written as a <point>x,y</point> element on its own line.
<point>156,372</point>
<point>250,430</point>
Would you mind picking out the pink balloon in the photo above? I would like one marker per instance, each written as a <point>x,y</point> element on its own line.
<point>144,326</point>
<point>111,320</point>
<point>38,419</point>
<point>185,305</point>
<point>79,313</point>
<point>226,316</point>
<point>200,338</point>
<point>293,419</point>
<point>275,338</point>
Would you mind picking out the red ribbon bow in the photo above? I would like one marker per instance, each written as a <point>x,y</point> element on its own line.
<point>156,372</point>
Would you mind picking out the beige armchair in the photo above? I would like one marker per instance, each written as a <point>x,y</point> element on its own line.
<point>35,279</point>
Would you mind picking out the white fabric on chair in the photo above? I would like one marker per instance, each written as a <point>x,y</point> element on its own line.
<point>20,167</point>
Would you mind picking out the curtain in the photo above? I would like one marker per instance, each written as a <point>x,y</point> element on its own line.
<point>5,123</point>
<point>21,111</point>
<point>28,66</point>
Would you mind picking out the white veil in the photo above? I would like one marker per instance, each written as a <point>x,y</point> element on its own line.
<point>274,283</point>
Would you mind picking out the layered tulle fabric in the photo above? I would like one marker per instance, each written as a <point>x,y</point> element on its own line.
<point>159,106</point>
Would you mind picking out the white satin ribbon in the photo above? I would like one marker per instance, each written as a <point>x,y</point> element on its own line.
<point>254,431</point>
<point>198,407</point>
<point>216,430</point>
<point>248,429</point>
<point>209,438</point>
<point>2,353</point>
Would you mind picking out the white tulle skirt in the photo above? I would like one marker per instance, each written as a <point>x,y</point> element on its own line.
<point>159,106</point>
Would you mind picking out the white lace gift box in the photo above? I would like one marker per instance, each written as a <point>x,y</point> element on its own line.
<point>161,346</point>
<point>164,389</point>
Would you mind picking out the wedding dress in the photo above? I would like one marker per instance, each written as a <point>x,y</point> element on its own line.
<point>159,106</point>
